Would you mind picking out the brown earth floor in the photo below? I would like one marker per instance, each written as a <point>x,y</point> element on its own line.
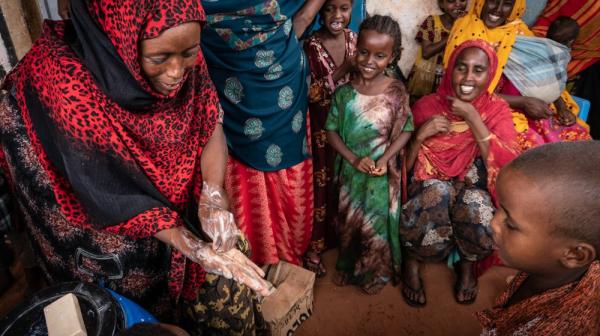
<point>348,311</point>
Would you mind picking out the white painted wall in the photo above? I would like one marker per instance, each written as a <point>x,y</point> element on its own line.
<point>409,14</point>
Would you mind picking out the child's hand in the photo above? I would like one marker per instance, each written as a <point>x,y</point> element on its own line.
<point>380,168</point>
<point>564,116</point>
<point>462,109</point>
<point>364,165</point>
<point>437,124</point>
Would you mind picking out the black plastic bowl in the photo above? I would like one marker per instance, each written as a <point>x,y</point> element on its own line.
<point>102,315</point>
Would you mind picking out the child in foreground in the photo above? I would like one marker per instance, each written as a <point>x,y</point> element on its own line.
<point>369,123</point>
<point>547,226</point>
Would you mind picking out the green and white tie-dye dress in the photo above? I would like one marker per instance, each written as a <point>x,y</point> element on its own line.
<point>369,207</point>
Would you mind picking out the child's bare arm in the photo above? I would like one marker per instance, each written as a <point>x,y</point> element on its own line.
<point>342,70</point>
<point>431,49</point>
<point>394,148</point>
<point>306,14</point>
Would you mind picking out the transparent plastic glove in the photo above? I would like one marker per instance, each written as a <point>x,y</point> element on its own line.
<point>232,264</point>
<point>216,221</point>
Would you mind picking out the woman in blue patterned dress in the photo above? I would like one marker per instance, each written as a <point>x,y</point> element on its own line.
<point>257,64</point>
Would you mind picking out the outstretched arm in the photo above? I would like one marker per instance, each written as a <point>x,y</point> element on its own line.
<point>306,15</point>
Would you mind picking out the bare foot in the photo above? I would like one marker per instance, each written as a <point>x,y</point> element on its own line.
<point>340,278</point>
<point>465,288</point>
<point>412,289</point>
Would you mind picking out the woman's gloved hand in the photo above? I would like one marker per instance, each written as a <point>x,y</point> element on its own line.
<point>232,264</point>
<point>216,220</point>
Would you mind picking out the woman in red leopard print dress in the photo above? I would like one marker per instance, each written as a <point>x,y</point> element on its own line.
<point>109,128</point>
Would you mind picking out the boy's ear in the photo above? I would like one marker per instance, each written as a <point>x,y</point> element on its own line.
<point>578,255</point>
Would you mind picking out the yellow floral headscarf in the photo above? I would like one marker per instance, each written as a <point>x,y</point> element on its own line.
<point>502,38</point>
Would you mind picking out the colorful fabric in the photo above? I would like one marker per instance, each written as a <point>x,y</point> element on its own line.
<point>322,67</point>
<point>427,73</point>
<point>502,38</point>
<point>538,67</point>
<point>210,316</point>
<point>533,10</point>
<point>369,207</point>
<point>224,307</point>
<point>140,269</point>
<point>586,49</point>
<point>119,160</point>
<point>533,133</point>
<point>443,215</point>
<point>260,71</point>
<point>433,30</point>
<point>273,209</point>
<point>570,310</point>
<point>448,156</point>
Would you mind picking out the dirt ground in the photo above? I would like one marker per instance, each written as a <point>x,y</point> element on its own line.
<point>348,311</point>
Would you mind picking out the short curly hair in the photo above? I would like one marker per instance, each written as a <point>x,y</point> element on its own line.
<point>572,169</point>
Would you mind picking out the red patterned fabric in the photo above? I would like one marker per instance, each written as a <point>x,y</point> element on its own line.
<point>273,209</point>
<point>445,156</point>
<point>165,141</point>
<point>570,310</point>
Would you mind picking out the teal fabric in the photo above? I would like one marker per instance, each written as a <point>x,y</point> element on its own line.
<point>260,72</point>
<point>533,10</point>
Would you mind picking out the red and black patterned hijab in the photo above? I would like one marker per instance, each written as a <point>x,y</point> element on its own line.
<point>112,146</point>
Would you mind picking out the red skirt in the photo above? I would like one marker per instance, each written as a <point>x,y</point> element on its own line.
<point>273,209</point>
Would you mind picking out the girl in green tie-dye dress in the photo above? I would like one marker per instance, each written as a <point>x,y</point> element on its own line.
<point>368,125</point>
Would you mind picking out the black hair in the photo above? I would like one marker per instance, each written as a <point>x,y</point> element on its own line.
<point>320,19</point>
<point>565,24</point>
<point>146,329</point>
<point>384,24</point>
<point>570,172</point>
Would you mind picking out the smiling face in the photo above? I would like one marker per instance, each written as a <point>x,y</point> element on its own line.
<point>454,8</point>
<point>336,15</point>
<point>495,12</point>
<point>374,52</point>
<point>470,75</point>
<point>166,59</point>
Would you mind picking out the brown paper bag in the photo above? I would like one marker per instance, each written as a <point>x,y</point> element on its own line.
<point>292,302</point>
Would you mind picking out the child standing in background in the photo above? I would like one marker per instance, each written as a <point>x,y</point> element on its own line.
<point>369,123</point>
<point>330,53</point>
<point>554,241</point>
<point>432,36</point>
<point>564,30</point>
